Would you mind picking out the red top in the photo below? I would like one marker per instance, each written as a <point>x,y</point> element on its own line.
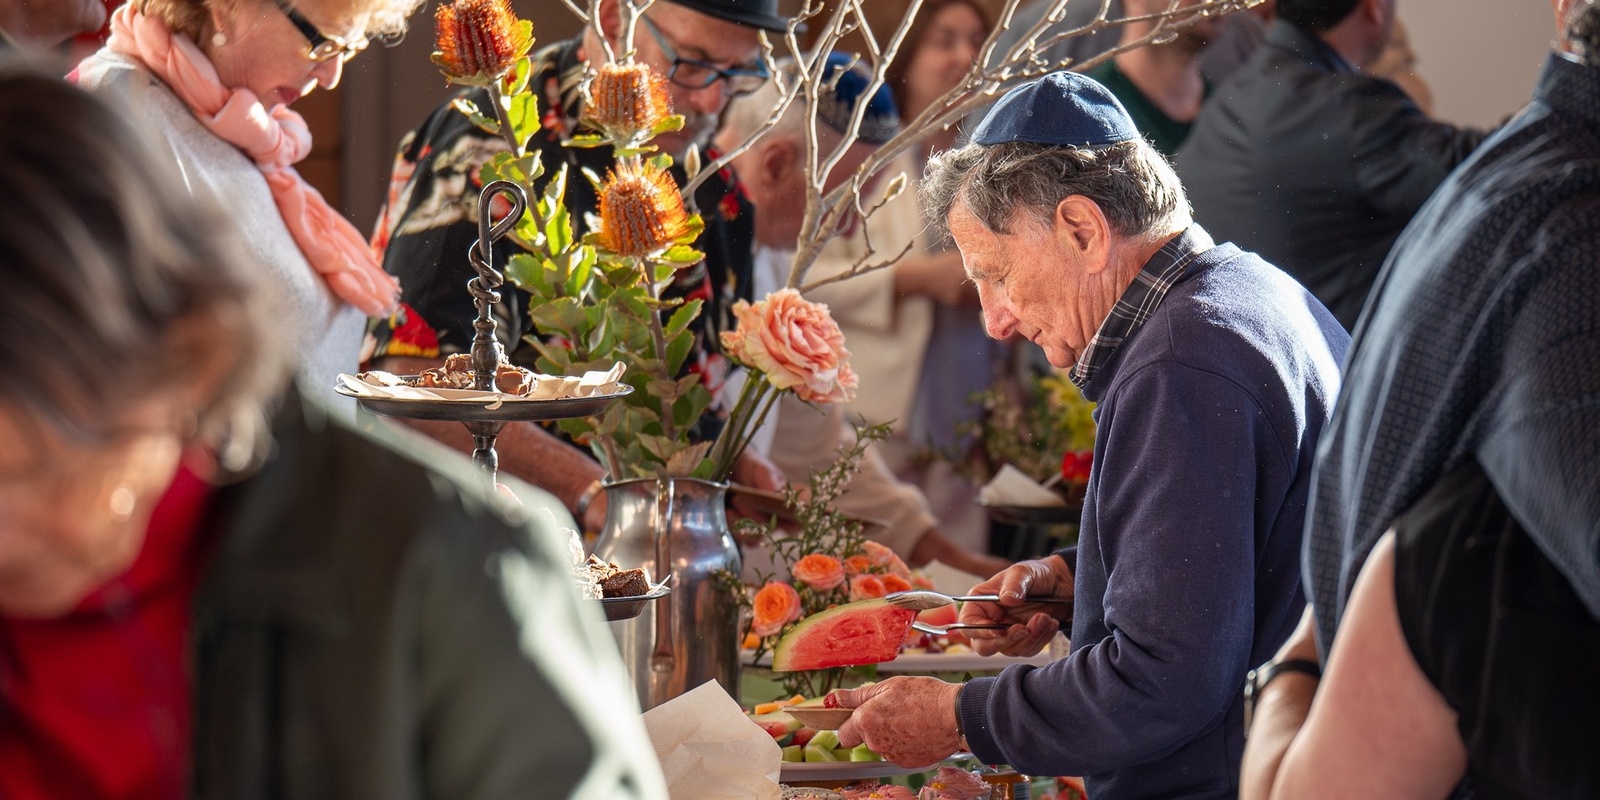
<point>96,704</point>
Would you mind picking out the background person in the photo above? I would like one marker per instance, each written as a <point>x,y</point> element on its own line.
<point>45,25</point>
<point>347,619</point>
<point>215,78</point>
<point>1214,374</point>
<point>802,438</point>
<point>913,329</point>
<point>1305,160</point>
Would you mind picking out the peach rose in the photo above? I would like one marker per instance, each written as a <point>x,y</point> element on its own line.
<point>884,557</point>
<point>820,572</point>
<point>866,587</point>
<point>776,605</point>
<point>921,581</point>
<point>796,344</point>
<point>857,565</point>
<point>894,583</point>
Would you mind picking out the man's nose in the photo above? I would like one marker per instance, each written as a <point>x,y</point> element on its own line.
<point>998,321</point>
<point>708,100</point>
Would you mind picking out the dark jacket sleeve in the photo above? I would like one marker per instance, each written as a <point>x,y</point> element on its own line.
<point>1177,525</point>
<point>1398,155</point>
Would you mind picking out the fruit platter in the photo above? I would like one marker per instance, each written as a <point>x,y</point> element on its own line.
<point>921,652</point>
<point>810,754</point>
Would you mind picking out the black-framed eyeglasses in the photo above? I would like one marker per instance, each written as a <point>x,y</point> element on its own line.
<point>322,46</point>
<point>692,74</point>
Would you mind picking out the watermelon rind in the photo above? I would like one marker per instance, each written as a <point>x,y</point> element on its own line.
<point>863,632</point>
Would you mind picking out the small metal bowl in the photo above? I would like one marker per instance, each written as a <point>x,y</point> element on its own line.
<point>621,608</point>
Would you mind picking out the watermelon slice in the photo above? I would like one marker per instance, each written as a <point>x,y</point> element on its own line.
<point>864,632</point>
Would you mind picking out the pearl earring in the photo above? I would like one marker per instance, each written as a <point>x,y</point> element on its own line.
<point>219,39</point>
<point>122,502</point>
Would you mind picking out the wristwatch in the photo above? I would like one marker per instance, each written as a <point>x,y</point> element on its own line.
<point>1259,677</point>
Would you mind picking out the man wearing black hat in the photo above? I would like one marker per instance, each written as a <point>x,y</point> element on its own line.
<point>709,51</point>
<point>1214,373</point>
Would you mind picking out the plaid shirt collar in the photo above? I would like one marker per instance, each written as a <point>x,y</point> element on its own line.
<point>1164,269</point>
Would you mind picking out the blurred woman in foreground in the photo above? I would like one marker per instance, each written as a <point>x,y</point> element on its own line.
<point>341,621</point>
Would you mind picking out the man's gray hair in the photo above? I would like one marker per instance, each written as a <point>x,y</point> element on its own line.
<point>1131,182</point>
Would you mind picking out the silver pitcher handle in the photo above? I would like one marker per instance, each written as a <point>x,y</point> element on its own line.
<point>662,658</point>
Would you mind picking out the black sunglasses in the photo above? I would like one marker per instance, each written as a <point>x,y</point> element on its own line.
<point>692,74</point>
<point>322,46</point>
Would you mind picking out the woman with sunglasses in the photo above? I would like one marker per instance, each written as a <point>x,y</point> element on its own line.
<point>216,79</point>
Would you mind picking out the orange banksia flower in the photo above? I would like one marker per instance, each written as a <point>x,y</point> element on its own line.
<point>641,210</point>
<point>627,101</point>
<point>479,41</point>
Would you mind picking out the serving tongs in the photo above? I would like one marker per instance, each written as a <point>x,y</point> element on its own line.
<point>923,599</point>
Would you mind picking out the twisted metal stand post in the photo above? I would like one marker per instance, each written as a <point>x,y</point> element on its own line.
<point>487,354</point>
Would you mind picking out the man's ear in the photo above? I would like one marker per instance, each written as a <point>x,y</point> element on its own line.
<point>780,158</point>
<point>1080,226</point>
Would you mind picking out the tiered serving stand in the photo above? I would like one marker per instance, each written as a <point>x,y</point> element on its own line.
<point>485,417</point>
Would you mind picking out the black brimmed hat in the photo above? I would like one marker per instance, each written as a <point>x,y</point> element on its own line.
<point>761,14</point>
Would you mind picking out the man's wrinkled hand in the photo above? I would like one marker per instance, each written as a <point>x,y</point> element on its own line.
<point>1033,625</point>
<point>909,721</point>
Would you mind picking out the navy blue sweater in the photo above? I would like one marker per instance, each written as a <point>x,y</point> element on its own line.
<point>1187,569</point>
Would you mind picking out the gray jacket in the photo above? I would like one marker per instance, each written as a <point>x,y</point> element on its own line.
<point>376,623</point>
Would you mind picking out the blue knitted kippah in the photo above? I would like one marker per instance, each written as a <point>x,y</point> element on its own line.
<point>837,101</point>
<point>1062,108</point>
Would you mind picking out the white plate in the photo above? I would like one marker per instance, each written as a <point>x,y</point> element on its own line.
<point>934,662</point>
<point>853,770</point>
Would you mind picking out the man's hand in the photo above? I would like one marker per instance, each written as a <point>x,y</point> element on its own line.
<point>909,721</point>
<point>1033,625</point>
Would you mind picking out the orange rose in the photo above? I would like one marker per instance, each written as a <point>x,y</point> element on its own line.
<point>921,581</point>
<point>884,557</point>
<point>866,587</point>
<point>856,565</point>
<point>776,605</point>
<point>894,583</point>
<point>820,572</point>
<point>796,344</point>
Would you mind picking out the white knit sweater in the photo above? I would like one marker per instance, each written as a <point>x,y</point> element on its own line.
<point>326,333</point>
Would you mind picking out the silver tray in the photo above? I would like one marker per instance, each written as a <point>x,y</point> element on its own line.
<point>621,608</point>
<point>508,409</point>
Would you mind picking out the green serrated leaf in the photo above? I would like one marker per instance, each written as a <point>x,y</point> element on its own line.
<point>661,161</point>
<point>520,73</point>
<point>678,350</point>
<point>674,122</point>
<point>470,110</point>
<point>526,273</point>
<point>523,113</point>
<point>584,140</point>
<point>680,319</point>
<point>682,255</point>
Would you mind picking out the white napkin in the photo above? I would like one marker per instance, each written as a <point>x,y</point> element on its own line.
<point>709,749</point>
<point>1012,487</point>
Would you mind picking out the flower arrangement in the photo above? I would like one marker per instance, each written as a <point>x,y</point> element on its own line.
<point>825,561</point>
<point>1049,431</point>
<point>597,298</point>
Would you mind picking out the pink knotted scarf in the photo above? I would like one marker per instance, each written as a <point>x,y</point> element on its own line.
<point>275,140</point>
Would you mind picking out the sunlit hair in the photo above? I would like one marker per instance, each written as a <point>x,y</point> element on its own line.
<point>386,18</point>
<point>1132,183</point>
<point>116,286</point>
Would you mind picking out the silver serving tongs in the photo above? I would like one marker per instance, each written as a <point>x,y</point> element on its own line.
<point>923,599</point>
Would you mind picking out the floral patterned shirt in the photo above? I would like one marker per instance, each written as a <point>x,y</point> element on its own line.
<point>429,223</point>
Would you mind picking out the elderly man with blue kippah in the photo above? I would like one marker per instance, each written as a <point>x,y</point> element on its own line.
<point>1214,373</point>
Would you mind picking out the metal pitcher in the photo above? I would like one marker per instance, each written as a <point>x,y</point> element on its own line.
<point>675,526</point>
